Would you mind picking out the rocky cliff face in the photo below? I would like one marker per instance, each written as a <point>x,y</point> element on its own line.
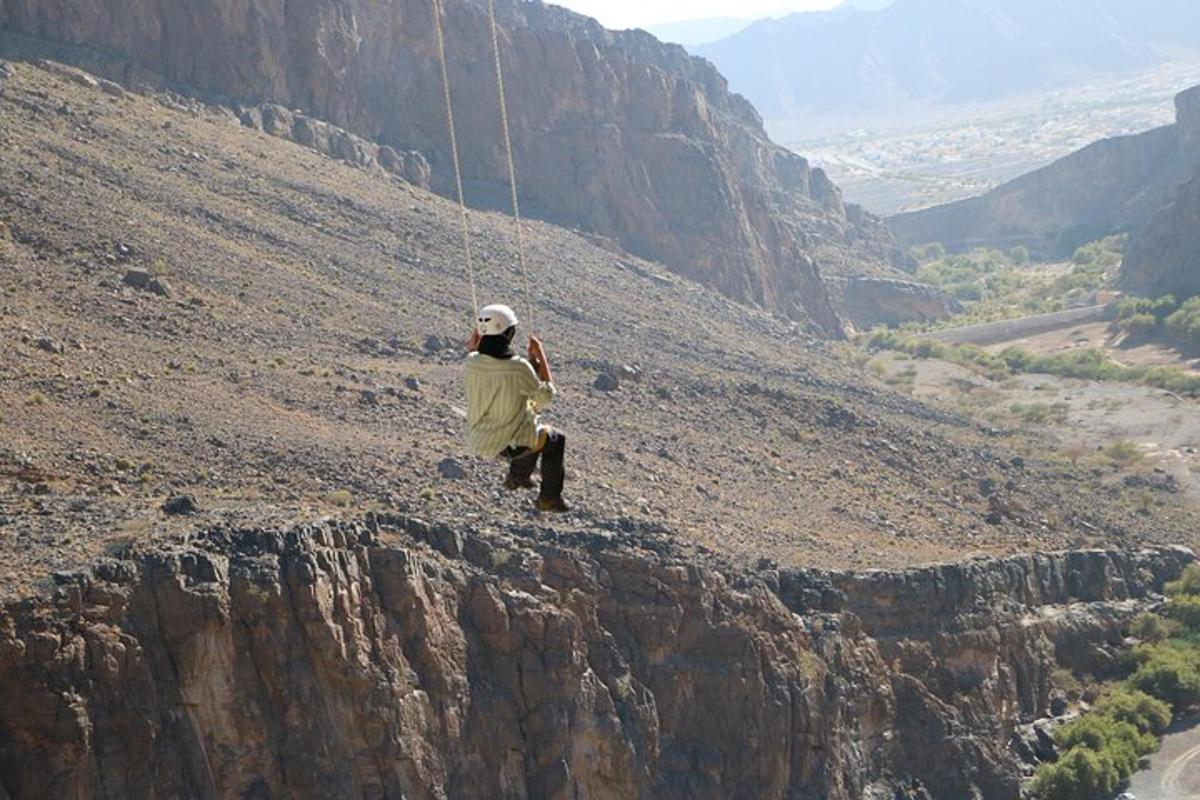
<point>615,132</point>
<point>1162,258</point>
<point>1163,255</point>
<point>866,301</point>
<point>403,659</point>
<point>1113,186</point>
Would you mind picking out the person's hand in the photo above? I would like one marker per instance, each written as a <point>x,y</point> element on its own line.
<point>473,340</point>
<point>537,353</point>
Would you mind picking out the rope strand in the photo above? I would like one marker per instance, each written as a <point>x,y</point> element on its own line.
<point>462,202</point>
<point>512,169</point>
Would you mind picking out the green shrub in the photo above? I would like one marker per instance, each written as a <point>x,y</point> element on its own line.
<point>1148,714</point>
<point>1139,325</point>
<point>1184,323</point>
<point>1124,452</point>
<point>1041,413</point>
<point>1185,609</point>
<point>1188,583</point>
<point>1099,732</point>
<point>1152,628</point>
<point>1081,774</point>
<point>1169,673</point>
<point>1019,255</point>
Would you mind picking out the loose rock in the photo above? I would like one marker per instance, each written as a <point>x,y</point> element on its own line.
<point>146,281</point>
<point>451,469</point>
<point>181,505</point>
<point>607,382</point>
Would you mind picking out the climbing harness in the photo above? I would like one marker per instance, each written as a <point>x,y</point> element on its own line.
<point>518,233</point>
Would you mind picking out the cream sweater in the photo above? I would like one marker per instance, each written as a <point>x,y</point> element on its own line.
<point>503,400</point>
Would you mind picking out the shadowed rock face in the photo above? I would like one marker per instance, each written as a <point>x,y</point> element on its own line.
<point>1164,257</point>
<point>1113,186</point>
<point>616,132</point>
<point>404,659</point>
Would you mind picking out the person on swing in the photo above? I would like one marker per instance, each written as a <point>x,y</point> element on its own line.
<point>505,394</point>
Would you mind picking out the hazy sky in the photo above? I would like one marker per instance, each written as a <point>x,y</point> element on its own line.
<point>638,13</point>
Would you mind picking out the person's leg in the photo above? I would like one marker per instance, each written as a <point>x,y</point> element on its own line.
<point>521,463</point>
<point>553,472</point>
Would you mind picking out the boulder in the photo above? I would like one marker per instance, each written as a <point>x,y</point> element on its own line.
<point>180,505</point>
<point>867,301</point>
<point>606,382</point>
<point>409,166</point>
<point>48,345</point>
<point>112,89</point>
<point>451,469</point>
<point>146,281</point>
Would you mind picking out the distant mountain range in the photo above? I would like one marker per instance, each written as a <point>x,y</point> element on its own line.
<point>950,51</point>
<point>692,32</point>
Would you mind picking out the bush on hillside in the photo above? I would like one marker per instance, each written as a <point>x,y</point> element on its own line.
<point>1081,774</point>
<point>1148,714</point>
<point>1185,609</point>
<point>1169,673</point>
<point>1160,308</point>
<point>1152,628</point>
<point>1188,583</point>
<point>1184,323</point>
<point>1139,325</point>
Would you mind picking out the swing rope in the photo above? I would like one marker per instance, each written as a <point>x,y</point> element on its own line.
<point>518,234</point>
<point>462,202</point>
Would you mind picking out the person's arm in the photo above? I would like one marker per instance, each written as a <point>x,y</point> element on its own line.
<point>473,341</point>
<point>537,357</point>
<point>540,389</point>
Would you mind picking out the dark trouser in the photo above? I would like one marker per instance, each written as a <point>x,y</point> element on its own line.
<point>522,462</point>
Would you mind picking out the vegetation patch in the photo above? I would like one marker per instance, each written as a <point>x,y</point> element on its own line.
<point>1161,318</point>
<point>993,285</point>
<point>1104,747</point>
<point>1086,364</point>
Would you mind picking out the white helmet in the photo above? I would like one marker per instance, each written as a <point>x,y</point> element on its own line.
<point>495,320</point>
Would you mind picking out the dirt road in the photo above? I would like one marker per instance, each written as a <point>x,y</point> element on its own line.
<point>1174,771</point>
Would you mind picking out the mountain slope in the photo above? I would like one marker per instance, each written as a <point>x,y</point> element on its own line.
<point>951,51</point>
<point>698,31</point>
<point>1112,186</point>
<point>290,373</point>
<point>614,132</point>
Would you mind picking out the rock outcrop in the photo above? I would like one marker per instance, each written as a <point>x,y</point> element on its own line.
<point>335,142</point>
<point>866,301</point>
<point>404,659</point>
<point>1113,186</point>
<point>614,132</point>
<point>1162,257</point>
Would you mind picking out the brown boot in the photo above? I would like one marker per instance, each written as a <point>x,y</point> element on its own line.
<point>517,484</point>
<point>552,505</point>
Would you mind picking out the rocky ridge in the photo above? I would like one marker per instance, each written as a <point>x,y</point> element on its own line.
<point>672,165</point>
<point>1113,186</point>
<point>405,658</point>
